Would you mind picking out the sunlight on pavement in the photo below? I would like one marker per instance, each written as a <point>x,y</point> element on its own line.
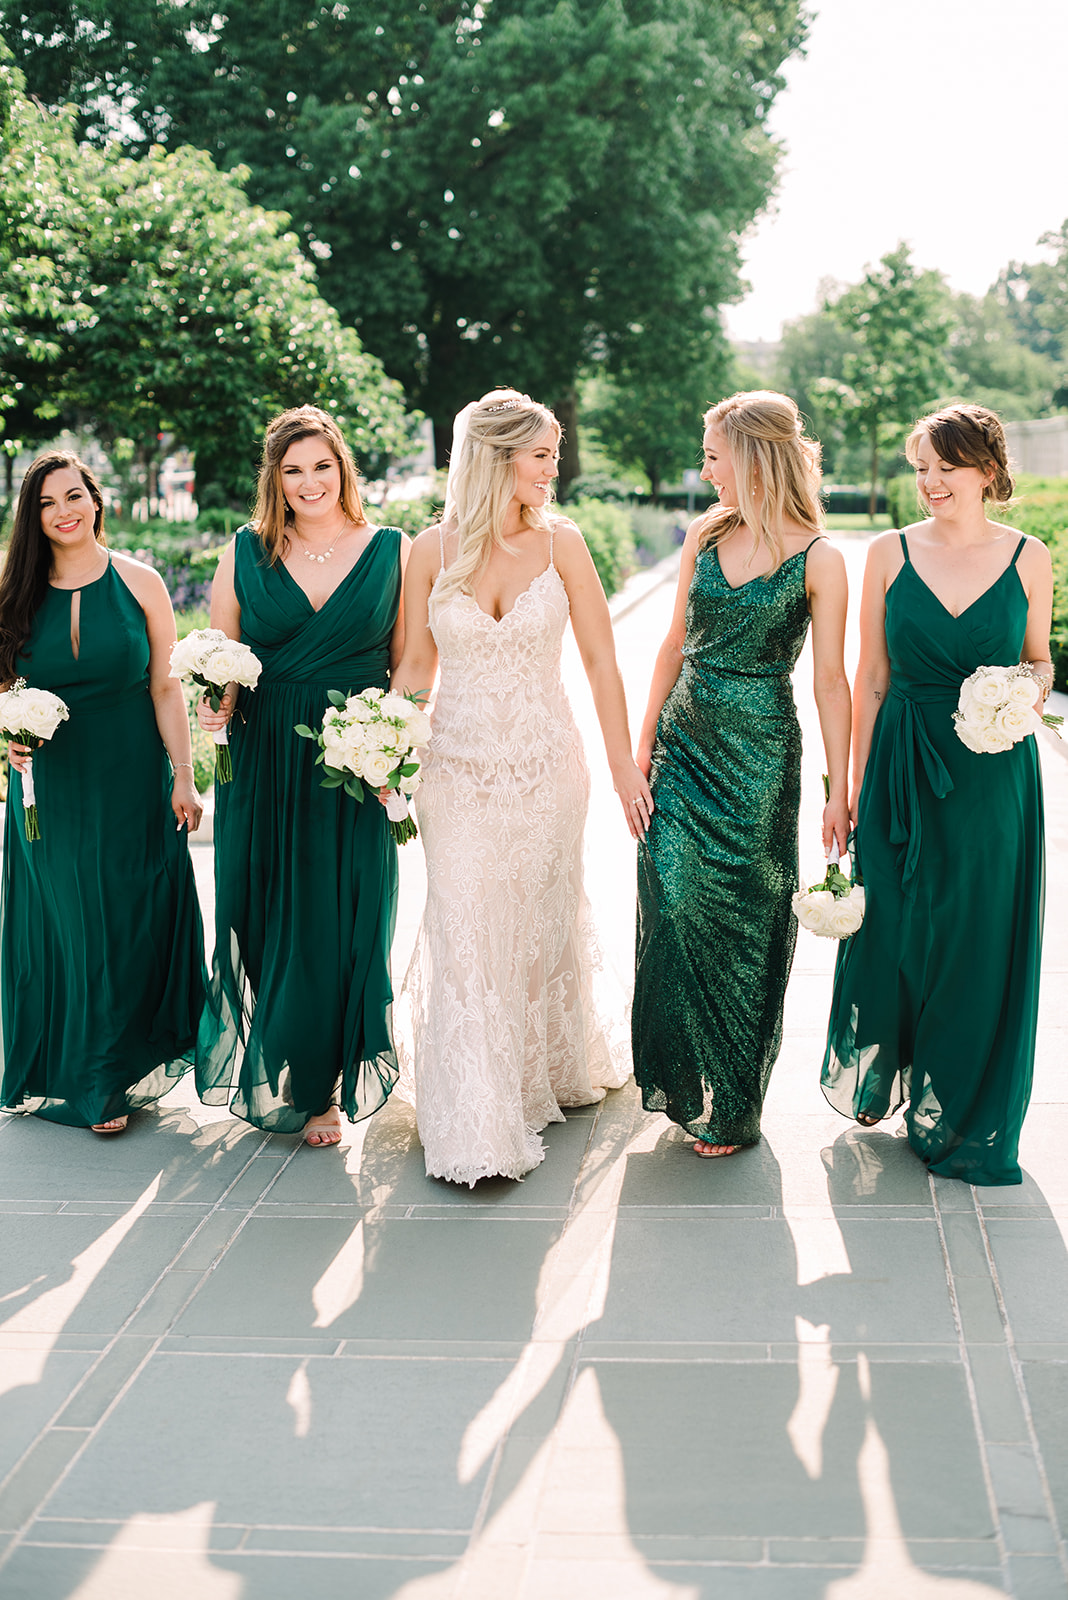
<point>49,1313</point>
<point>188,1570</point>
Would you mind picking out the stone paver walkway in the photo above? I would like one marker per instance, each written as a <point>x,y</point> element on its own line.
<point>235,1368</point>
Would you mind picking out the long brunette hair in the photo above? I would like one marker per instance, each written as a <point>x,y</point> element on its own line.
<point>24,580</point>
<point>271,515</point>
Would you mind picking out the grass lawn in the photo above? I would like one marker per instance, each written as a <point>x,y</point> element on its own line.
<point>858,524</point>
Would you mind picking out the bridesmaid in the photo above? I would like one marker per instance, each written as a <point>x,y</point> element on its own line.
<point>722,745</point>
<point>102,967</point>
<point>299,1004</point>
<point>935,998</point>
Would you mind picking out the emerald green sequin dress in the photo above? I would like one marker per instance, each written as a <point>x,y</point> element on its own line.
<point>716,873</point>
<point>102,964</point>
<point>300,999</point>
<point>936,996</point>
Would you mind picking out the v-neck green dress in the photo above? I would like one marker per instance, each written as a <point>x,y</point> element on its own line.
<point>936,996</point>
<point>306,878</point>
<point>102,963</point>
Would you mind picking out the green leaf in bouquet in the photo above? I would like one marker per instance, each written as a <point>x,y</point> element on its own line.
<point>354,787</point>
<point>408,770</point>
<point>304,731</point>
<point>335,697</point>
<point>333,780</point>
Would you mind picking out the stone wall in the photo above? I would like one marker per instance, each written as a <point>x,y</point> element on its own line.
<point>1040,447</point>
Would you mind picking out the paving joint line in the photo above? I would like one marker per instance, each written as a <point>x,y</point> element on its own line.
<point>973,1396</point>
<point>52,1426</point>
<point>1021,1390</point>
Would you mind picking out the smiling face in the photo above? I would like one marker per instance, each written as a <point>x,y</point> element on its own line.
<point>68,512</point>
<point>718,469</point>
<point>310,475</point>
<point>535,469</point>
<point>945,489</point>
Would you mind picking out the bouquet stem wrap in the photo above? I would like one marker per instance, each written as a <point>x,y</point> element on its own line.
<point>29,802</point>
<point>224,768</point>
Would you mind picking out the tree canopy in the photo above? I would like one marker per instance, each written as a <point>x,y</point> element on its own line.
<point>492,190</point>
<point>146,294</point>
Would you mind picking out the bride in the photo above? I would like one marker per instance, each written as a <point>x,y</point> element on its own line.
<point>500,981</point>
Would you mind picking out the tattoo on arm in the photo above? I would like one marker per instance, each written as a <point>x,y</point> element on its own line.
<point>878,694</point>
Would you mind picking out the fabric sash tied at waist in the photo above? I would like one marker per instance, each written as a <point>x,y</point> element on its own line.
<point>910,751</point>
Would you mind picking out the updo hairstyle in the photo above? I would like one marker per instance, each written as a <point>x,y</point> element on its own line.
<point>776,472</point>
<point>967,436</point>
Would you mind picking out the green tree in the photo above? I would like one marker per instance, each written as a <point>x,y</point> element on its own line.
<point>813,350</point>
<point>649,415</point>
<point>492,192</point>
<point>993,365</point>
<point>898,320</point>
<point>1035,300</point>
<point>147,295</point>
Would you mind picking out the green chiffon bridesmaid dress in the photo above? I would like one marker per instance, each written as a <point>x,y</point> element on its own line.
<point>936,996</point>
<point>306,877</point>
<point>102,963</point>
<point>717,870</point>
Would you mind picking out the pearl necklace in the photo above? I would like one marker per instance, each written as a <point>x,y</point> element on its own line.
<point>310,554</point>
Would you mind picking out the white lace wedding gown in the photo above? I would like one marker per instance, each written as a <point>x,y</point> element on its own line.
<point>500,983</point>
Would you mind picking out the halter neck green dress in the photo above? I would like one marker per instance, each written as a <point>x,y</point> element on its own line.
<point>102,962</point>
<point>936,996</point>
<point>718,868</point>
<point>306,878</point>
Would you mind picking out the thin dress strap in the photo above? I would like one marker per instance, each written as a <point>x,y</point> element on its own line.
<point>1016,552</point>
<point>808,546</point>
<point>904,546</point>
<point>552,535</point>
<point>441,546</point>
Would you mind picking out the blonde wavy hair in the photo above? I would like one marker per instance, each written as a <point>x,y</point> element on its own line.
<point>272,517</point>
<point>776,472</point>
<point>482,481</point>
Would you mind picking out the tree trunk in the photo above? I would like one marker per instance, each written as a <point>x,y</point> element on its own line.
<point>873,500</point>
<point>566,411</point>
<point>442,441</point>
<point>653,473</point>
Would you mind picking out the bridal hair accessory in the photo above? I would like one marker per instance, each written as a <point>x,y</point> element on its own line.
<point>508,405</point>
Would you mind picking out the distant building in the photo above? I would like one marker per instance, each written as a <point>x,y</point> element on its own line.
<point>1039,447</point>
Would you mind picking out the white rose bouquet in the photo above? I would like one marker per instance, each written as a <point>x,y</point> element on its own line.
<point>30,716</point>
<point>212,659</point>
<point>368,738</point>
<point>996,709</point>
<point>834,908</point>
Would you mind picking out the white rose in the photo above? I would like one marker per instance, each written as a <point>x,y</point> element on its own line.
<point>40,712</point>
<point>337,757</point>
<point>968,733</point>
<point>230,663</point>
<point>812,908</point>
<point>372,694</point>
<point>1023,690</point>
<point>988,741</point>
<point>989,685</point>
<point>418,727</point>
<point>847,914</point>
<point>410,785</point>
<point>1016,722</point>
<point>335,732</point>
<point>376,768</point>
<point>360,709</point>
<point>394,705</point>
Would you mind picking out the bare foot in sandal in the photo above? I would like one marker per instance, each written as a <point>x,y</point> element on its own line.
<point>113,1125</point>
<point>324,1130</point>
<point>703,1149</point>
<point>866,1119</point>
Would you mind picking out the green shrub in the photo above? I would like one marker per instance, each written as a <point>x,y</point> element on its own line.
<point>657,533</point>
<point>410,516</point>
<point>902,502</point>
<point>606,530</point>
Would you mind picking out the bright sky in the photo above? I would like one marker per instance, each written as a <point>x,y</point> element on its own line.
<point>941,122</point>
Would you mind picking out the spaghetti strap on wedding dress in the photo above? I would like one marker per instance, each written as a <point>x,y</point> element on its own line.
<point>500,983</point>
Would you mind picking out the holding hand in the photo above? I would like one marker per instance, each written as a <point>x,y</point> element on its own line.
<point>19,756</point>
<point>211,721</point>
